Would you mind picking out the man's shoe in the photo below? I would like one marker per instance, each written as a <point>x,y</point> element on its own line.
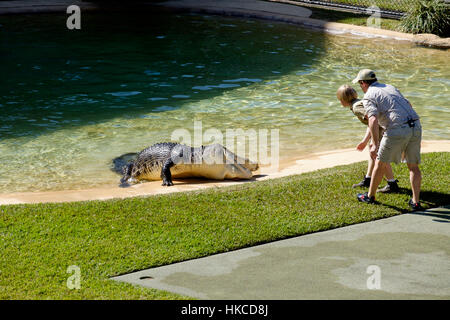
<point>390,187</point>
<point>364,197</point>
<point>365,183</point>
<point>414,206</point>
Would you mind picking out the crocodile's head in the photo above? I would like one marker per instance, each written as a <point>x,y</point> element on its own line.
<point>127,178</point>
<point>246,163</point>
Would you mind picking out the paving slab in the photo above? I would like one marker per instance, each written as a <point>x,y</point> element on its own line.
<point>402,257</point>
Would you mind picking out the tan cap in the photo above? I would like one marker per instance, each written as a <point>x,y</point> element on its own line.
<point>365,74</point>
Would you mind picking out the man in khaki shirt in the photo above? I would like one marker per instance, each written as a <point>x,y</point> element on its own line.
<point>385,106</point>
<point>349,98</point>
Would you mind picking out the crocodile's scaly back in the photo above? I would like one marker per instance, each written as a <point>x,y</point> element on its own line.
<point>150,161</point>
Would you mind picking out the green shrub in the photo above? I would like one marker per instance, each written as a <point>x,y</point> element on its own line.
<point>428,16</point>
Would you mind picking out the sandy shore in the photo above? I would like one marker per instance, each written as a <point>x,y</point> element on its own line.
<point>288,167</point>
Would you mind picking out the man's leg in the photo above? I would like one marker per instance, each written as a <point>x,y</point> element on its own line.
<point>415,177</point>
<point>377,175</point>
<point>388,172</point>
<point>412,155</point>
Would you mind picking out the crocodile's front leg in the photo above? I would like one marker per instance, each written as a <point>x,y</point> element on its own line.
<point>166,176</point>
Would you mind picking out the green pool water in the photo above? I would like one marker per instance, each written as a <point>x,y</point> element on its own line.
<point>71,101</point>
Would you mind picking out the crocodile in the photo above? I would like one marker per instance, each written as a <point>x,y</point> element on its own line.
<point>167,160</point>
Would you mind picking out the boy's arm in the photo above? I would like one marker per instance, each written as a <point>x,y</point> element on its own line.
<point>364,141</point>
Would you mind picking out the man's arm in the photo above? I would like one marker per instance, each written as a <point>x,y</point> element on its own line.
<point>374,131</point>
<point>371,109</point>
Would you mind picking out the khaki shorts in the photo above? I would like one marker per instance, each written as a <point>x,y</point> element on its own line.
<point>401,144</point>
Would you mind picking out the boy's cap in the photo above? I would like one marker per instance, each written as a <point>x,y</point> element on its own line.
<point>365,74</point>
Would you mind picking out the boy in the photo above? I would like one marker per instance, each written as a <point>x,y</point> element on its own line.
<point>349,98</point>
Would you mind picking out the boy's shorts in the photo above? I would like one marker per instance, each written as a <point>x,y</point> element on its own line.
<point>401,144</point>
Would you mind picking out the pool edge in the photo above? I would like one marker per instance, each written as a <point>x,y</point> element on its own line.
<point>257,9</point>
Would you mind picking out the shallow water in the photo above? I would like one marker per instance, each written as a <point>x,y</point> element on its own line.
<point>71,101</point>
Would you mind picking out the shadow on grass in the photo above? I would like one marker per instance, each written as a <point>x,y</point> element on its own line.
<point>442,215</point>
<point>204,181</point>
<point>200,180</point>
<point>428,199</point>
<point>442,218</point>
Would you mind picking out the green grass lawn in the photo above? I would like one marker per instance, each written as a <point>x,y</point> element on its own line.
<point>108,238</point>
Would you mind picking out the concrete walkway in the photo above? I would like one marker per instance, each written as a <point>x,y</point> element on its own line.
<point>402,257</point>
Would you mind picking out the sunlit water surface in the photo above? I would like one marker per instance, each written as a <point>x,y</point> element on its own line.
<point>71,101</point>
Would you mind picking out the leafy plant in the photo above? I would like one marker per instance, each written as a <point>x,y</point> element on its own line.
<point>428,16</point>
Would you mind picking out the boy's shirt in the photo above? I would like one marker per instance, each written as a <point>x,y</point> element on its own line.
<point>359,111</point>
